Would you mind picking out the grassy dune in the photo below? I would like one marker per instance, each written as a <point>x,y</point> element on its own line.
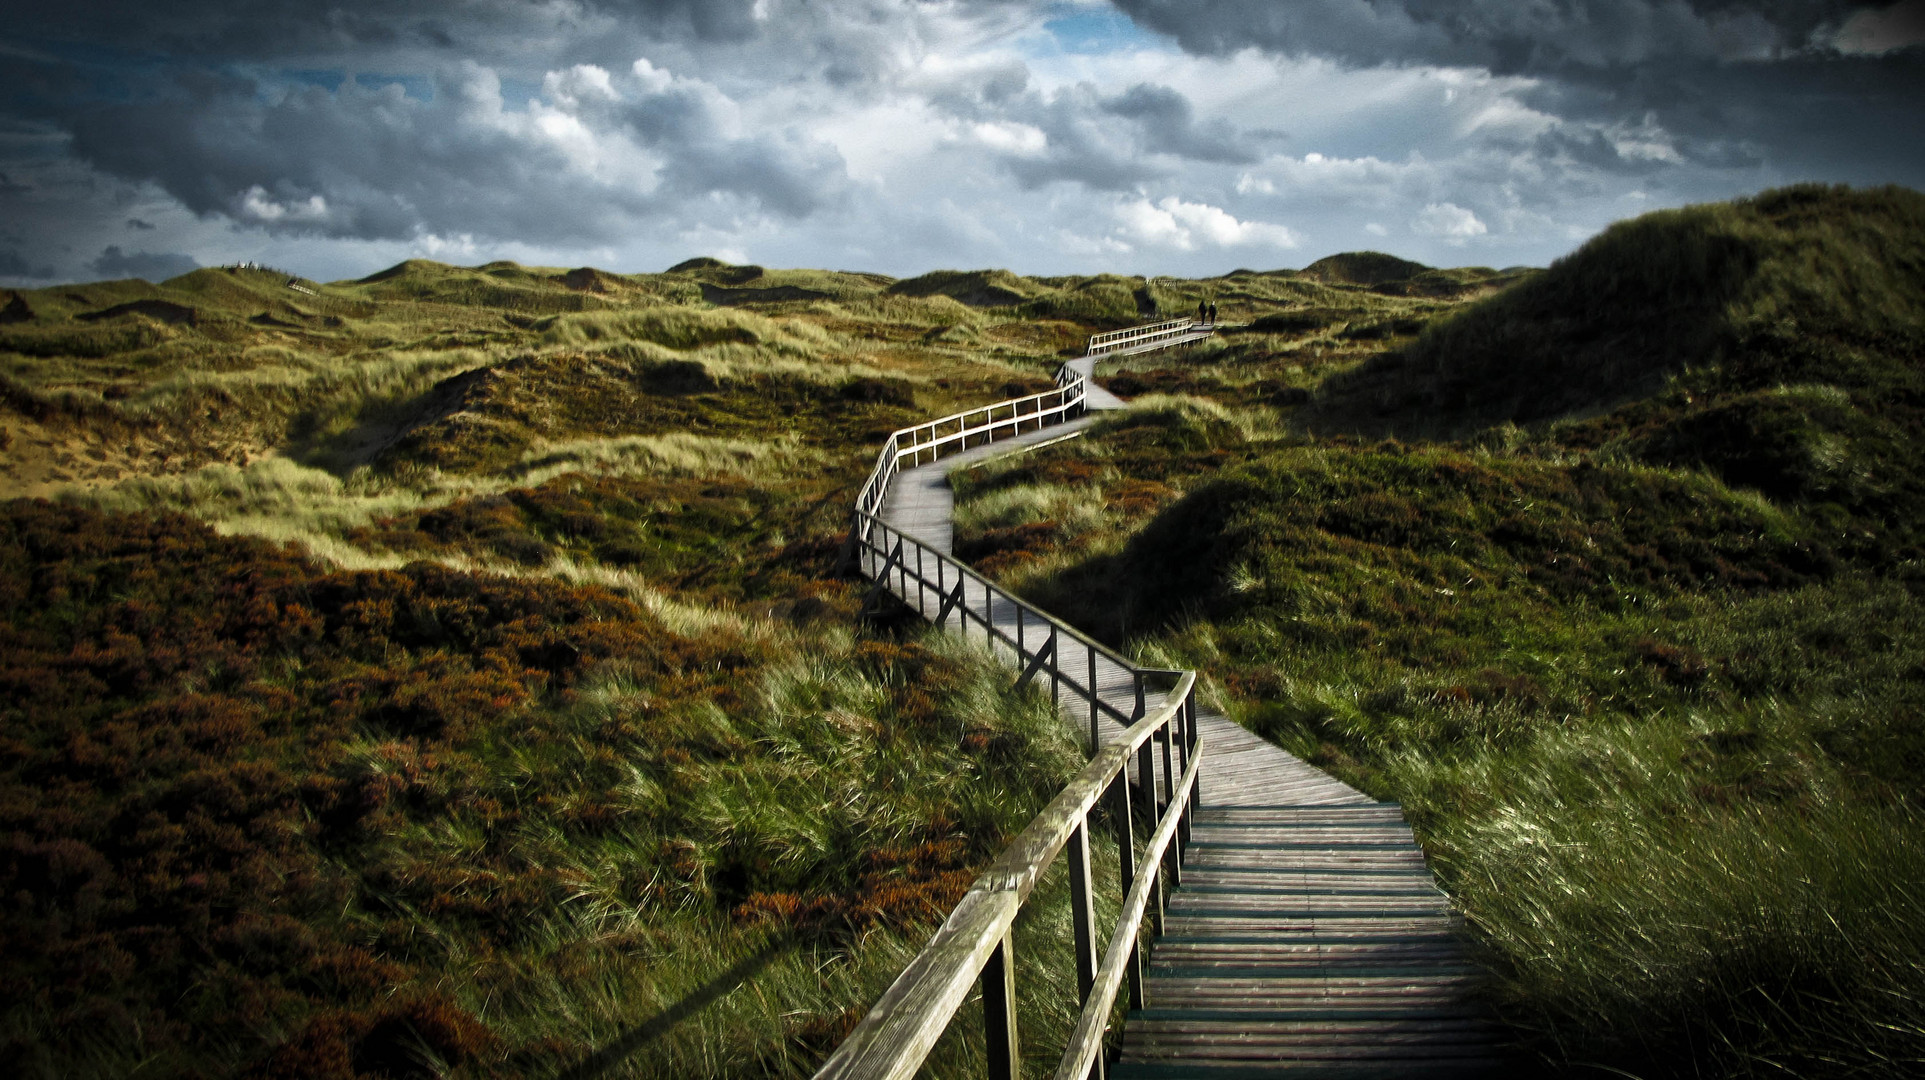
<point>1639,650</point>
<point>443,672</point>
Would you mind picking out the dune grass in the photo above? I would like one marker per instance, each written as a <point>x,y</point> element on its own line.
<point>467,638</point>
<point>1660,743</point>
<point>500,843</point>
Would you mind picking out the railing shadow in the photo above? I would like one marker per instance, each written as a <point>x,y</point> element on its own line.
<point>628,1042</point>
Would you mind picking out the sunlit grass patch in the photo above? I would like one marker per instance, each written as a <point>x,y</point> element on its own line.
<point>673,454</point>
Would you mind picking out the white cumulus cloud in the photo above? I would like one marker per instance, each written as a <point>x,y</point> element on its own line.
<point>1171,222</point>
<point>1449,221</point>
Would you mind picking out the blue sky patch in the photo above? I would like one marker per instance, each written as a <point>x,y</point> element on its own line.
<point>1096,31</point>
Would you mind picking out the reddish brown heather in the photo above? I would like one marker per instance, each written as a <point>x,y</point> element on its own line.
<point>182,827</point>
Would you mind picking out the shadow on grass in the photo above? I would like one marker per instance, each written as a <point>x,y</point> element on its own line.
<point>601,1061</point>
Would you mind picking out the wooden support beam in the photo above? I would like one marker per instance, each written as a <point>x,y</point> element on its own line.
<point>999,1011</point>
<point>882,579</point>
<point>950,602</point>
<point>1036,662</point>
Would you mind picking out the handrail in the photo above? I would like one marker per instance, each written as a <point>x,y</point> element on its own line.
<point>1067,398</point>
<point>933,570</point>
<point>893,1039</point>
<point>1087,1040</point>
<point>1141,337</point>
<point>1174,325</point>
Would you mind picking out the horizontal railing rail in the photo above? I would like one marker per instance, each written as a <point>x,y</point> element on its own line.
<point>975,942</point>
<point>998,420</point>
<point>911,567</point>
<point>1129,335</point>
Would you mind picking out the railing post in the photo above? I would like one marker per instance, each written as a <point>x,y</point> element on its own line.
<point>989,627</point>
<point>1173,855</point>
<point>1166,736</point>
<point>1189,752</point>
<point>1021,656</point>
<point>922,607</point>
<point>1196,790</point>
<point>1126,860</point>
<point>1082,913</point>
<point>1055,676</point>
<point>1146,780</point>
<point>999,1011</point>
<point>1092,702</point>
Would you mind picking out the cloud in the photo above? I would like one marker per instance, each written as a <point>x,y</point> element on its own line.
<point>1168,125</point>
<point>114,263</point>
<point>591,154</point>
<point>1795,87</point>
<point>274,28</point>
<point>1113,142</point>
<point>15,265</point>
<point>1875,31</point>
<point>1171,222</point>
<point>1449,221</point>
<point>1500,35</point>
<point>1050,135</point>
<point>142,226</point>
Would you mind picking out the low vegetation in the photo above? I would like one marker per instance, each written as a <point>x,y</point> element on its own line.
<point>445,673</point>
<point>265,816</point>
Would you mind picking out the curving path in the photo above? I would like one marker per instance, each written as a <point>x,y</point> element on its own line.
<point>1308,937</point>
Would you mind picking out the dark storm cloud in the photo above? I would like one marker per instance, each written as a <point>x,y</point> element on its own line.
<point>1111,142</point>
<point>114,263</point>
<point>374,162</point>
<point>276,28</point>
<point>13,264</point>
<point>275,114</point>
<point>1169,126</point>
<point>1805,113</point>
<point>1504,36</point>
<point>1726,84</point>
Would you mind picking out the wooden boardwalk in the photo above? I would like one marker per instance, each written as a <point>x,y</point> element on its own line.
<point>1131,350</point>
<point>1308,937</point>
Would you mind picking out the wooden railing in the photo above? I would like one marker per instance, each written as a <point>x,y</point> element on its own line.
<point>960,431</point>
<point>975,942</point>
<point>1142,335</point>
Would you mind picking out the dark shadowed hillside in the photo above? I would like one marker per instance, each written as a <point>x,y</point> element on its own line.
<point>1778,342</point>
<point>1802,285</point>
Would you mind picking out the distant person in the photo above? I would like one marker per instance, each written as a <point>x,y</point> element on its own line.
<point>1213,313</point>
<point>1201,311</point>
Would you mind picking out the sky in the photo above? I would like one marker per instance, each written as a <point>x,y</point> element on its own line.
<point>333,138</point>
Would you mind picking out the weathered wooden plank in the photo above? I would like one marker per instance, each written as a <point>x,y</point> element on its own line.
<point>1394,1011</point>
<point>1322,1070</point>
<point>1256,1025</point>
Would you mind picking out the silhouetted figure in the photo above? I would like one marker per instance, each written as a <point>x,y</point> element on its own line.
<point>1201,310</point>
<point>1212,314</point>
